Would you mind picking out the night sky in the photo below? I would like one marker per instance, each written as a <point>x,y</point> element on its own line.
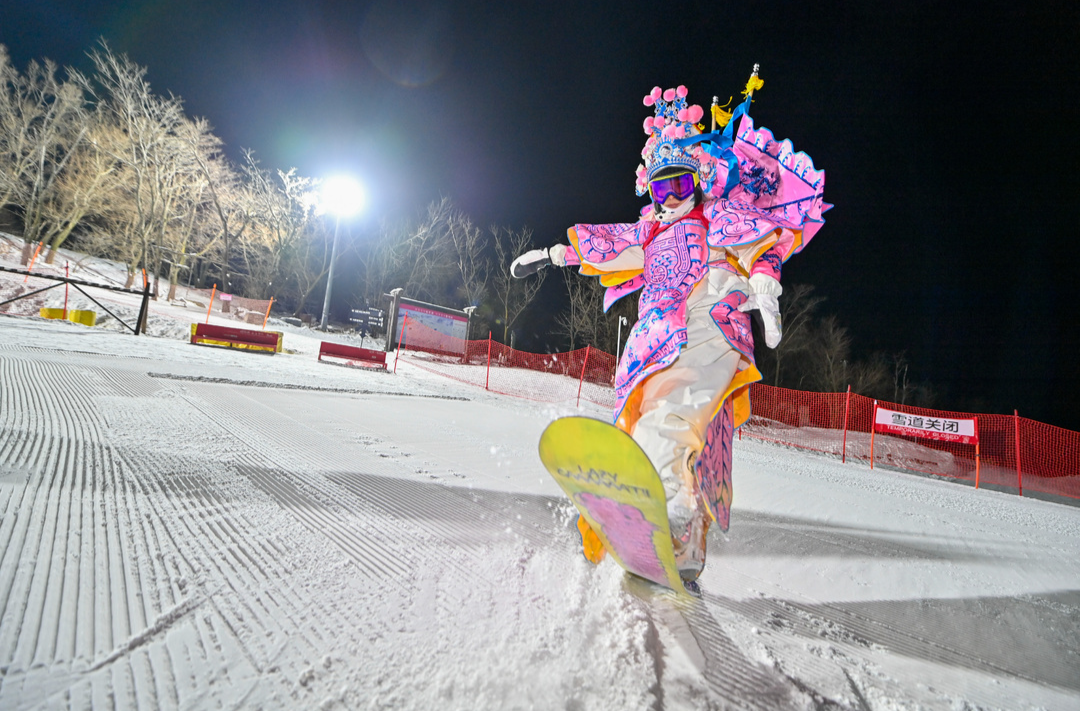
<point>948,132</point>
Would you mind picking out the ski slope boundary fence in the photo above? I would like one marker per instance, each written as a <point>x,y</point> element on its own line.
<point>1015,453</point>
<point>240,308</point>
<point>583,374</point>
<point>88,272</point>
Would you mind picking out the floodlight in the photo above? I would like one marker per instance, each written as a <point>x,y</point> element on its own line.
<point>342,196</point>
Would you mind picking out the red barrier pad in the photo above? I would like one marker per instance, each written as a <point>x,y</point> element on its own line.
<point>206,334</point>
<point>364,357</point>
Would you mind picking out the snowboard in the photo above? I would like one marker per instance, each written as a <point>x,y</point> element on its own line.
<point>614,486</point>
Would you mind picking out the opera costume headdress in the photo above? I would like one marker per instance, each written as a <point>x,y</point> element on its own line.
<point>676,140</point>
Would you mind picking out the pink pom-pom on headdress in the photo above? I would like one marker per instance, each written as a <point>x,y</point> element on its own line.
<point>672,125</point>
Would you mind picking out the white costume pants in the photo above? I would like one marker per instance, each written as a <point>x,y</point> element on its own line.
<point>678,402</point>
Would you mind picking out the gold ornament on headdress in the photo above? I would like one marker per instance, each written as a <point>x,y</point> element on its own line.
<point>753,83</point>
<point>720,117</point>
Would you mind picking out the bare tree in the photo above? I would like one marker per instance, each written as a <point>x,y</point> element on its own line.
<point>307,262</point>
<point>831,357</point>
<point>870,377</point>
<point>12,129</point>
<point>902,387</point>
<point>290,244</point>
<point>469,246</point>
<point>582,320</point>
<point>155,164</point>
<point>428,253</point>
<point>218,185</point>
<point>380,263</point>
<point>42,124</point>
<point>280,207</point>
<point>82,189</point>
<point>438,256</point>
<point>512,296</point>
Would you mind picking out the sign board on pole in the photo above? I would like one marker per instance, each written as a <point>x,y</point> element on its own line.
<point>432,328</point>
<point>367,319</point>
<point>943,429</point>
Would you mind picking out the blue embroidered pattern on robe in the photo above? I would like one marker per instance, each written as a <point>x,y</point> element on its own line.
<point>735,324</point>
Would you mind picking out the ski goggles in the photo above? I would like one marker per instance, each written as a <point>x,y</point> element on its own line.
<point>681,186</point>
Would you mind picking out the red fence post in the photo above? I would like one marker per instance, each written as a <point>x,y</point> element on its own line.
<point>582,379</point>
<point>1019,479</point>
<point>487,379</point>
<point>873,430</point>
<point>847,407</point>
<point>67,285</point>
<point>404,340</point>
<point>976,452</point>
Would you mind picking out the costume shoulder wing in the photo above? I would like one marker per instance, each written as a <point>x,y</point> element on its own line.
<point>779,189</point>
<point>609,248</point>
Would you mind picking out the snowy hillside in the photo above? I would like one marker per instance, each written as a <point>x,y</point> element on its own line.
<point>193,527</point>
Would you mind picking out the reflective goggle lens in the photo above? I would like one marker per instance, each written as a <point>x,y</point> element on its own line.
<point>681,186</point>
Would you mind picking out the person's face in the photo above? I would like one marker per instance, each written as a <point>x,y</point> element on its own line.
<point>673,191</point>
<point>673,203</point>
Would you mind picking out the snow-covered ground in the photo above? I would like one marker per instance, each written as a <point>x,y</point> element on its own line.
<point>166,319</point>
<point>193,527</point>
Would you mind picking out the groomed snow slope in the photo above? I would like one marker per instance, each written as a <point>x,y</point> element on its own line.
<point>172,538</point>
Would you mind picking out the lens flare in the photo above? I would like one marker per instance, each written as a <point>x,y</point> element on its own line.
<point>409,41</point>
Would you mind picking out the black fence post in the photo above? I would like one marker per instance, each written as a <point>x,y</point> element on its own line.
<point>140,324</point>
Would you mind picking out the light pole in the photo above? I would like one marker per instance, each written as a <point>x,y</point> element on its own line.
<point>342,197</point>
<point>618,339</point>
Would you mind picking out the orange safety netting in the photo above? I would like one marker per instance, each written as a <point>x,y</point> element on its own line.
<point>236,307</point>
<point>1049,457</point>
<point>838,424</point>
<point>586,373</point>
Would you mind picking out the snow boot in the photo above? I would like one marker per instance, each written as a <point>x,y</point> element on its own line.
<point>689,529</point>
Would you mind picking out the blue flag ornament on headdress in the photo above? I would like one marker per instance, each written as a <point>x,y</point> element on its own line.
<point>677,140</point>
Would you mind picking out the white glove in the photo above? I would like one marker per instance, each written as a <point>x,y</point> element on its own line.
<point>764,293</point>
<point>536,259</point>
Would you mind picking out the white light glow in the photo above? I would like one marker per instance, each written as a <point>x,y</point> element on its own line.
<point>342,196</point>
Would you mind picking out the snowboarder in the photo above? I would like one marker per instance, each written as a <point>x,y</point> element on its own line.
<point>726,211</point>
